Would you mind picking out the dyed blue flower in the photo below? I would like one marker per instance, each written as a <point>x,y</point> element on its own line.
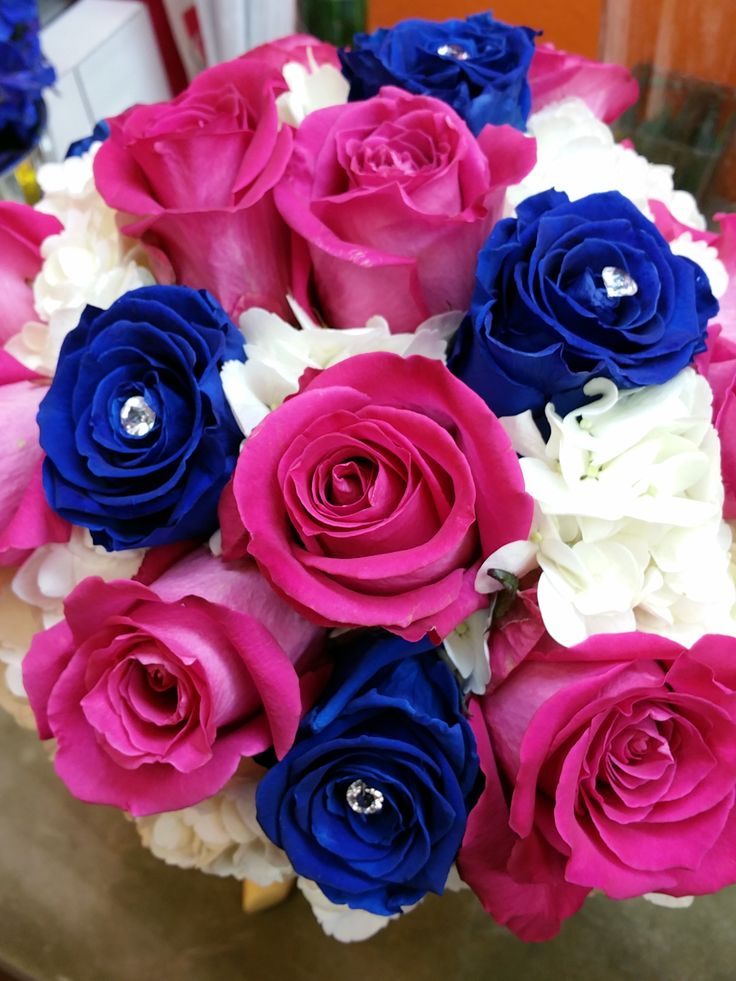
<point>98,135</point>
<point>23,76</point>
<point>569,291</point>
<point>479,66</point>
<point>372,800</point>
<point>139,438</point>
<point>17,17</point>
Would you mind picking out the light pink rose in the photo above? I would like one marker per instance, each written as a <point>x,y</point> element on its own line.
<point>26,520</point>
<point>155,693</point>
<point>372,496</point>
<point>22,230</point>
<point>391,199</point>
<point>296,47</point>
<point>608,90</point>
<point>621,758</point>
<point>197,175</point>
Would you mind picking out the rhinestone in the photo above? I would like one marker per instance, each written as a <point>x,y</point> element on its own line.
<point>363,799</point>
<point>137,417</point>
<point>618,282</point>
<point>453,51</point>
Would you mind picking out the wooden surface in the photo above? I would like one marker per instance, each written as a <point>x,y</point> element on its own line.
<point>80,900</point>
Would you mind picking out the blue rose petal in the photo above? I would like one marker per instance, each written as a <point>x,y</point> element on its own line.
<point>165,344</point>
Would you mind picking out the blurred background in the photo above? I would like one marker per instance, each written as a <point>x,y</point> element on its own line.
<point>109,54</point>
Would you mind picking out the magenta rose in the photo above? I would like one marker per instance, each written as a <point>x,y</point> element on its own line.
<point>372,496</point>
<point>197,175</point>
<point>22,231</point>
<point>391,199</point>
<point>718,365</point>
<point>516,634</point>
<point>608,90</point>
<point>155,693</point>
<point>621,758</point>
<point>26,520</point>
<point>718,362</point>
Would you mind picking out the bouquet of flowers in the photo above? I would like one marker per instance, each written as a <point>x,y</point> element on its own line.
<point>367,481</point>
<point>24,73</point>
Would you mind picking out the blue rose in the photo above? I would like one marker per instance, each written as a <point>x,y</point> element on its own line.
<point>372,800</point>
<point>17,17</point>
<point>23,76</point>
<point>139,438</point>
<point>573,290</point>
<point>479,66</point>
<point>98,135</point>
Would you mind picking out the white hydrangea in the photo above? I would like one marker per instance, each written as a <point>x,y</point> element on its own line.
<point>669,902</point>
<point>278,354</point>
<point>19,623</point>
<point>311,87</point>
<point>88,262</point>
<point>467,651</point>
<point>351,925</point>
<point>52,571</point>
<point>706,257</point>
<point>628,529</point>
<point>338,921</point>
<point>577,154</point>
<point>220,836</point>
<point>16,705</point>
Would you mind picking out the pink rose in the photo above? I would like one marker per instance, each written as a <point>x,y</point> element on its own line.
<point>154,693</point>
<point>372,496</point>
<point>723,241</point>
<point>718,366</point>
<point>392,199</point>
<point>621,758</point>
<point>26,520</point>
<point>718,363</point>
<point>302,48</point>
<point>608,90</point>
<point>22,230</point>
<point>515,634</point>
<point>533,907</point>
<point>197,174</point>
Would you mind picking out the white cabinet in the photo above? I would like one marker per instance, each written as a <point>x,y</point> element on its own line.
<point>106,59</point>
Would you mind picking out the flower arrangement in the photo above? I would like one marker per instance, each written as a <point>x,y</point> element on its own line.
<point>24,74</point>
<point>367,476</point>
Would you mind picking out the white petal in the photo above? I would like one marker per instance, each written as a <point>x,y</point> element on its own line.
<point>467,650</point>
<point>524,435</point>
<point>669,902</point>
<point>344,924</point>
<point>517,558</point>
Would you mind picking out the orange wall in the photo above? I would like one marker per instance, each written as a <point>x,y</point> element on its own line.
<point>570,24</point>
<point>696,37</point>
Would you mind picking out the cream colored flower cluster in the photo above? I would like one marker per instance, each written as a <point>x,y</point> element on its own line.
<point>89,262</point>
<point>628,531</point>
<point>278,354</point>
<point>577,154</point>
<point>220,836</point>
